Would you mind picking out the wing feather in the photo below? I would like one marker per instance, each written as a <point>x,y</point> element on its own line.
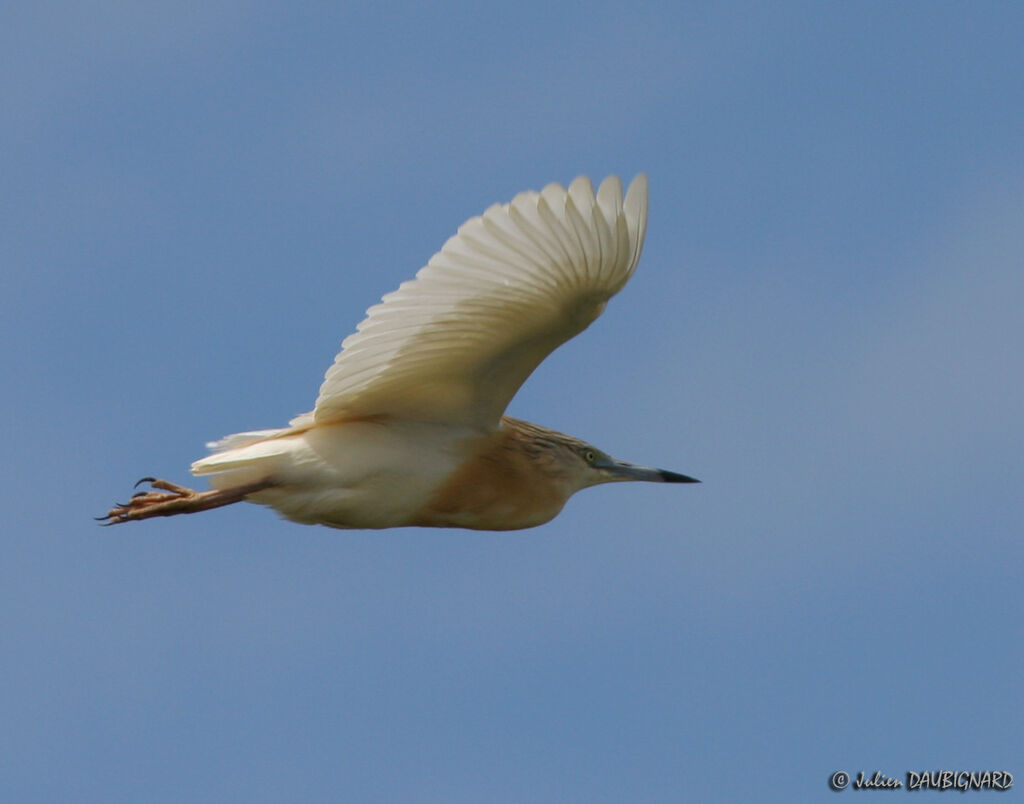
<point>455,343</point>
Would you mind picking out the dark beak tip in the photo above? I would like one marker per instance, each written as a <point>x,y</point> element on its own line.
<point>675,477</point>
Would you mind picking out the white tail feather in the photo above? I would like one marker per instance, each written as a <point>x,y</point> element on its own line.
<point>243,458</point>
<point>241,440</point>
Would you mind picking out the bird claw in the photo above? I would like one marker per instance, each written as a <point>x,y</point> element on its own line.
<point>144,504</point>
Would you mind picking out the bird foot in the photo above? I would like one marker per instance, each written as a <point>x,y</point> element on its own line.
<point>169,499</point>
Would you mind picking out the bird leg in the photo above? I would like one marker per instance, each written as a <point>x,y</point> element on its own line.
<point>171,499</point>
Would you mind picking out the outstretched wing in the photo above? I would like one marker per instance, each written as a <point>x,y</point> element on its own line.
<point>455,343</point>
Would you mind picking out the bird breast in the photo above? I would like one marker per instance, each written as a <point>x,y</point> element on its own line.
<point>500,485</point>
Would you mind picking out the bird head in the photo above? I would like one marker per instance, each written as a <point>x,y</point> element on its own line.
<point>598,467</point>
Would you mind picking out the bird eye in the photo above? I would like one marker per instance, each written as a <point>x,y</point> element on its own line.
<point>589,456</point>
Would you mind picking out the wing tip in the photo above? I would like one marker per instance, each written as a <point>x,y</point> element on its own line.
<point>635,207</point>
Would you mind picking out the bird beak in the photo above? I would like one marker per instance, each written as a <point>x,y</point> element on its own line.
<point>620,470</point>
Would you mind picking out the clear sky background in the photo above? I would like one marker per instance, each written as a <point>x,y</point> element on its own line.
<point>200,200</point>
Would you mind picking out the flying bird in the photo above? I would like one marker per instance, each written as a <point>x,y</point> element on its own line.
<point>409,427</point>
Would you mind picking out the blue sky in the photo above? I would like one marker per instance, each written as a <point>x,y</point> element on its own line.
<point>199,202</point>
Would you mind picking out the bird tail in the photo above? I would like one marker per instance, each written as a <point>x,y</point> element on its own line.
<point>237,440</point>
<point>242,458</point>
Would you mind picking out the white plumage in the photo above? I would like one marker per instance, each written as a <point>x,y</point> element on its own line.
<point>454,344</point>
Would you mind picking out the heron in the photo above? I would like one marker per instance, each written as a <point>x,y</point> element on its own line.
<point>409,427</point>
